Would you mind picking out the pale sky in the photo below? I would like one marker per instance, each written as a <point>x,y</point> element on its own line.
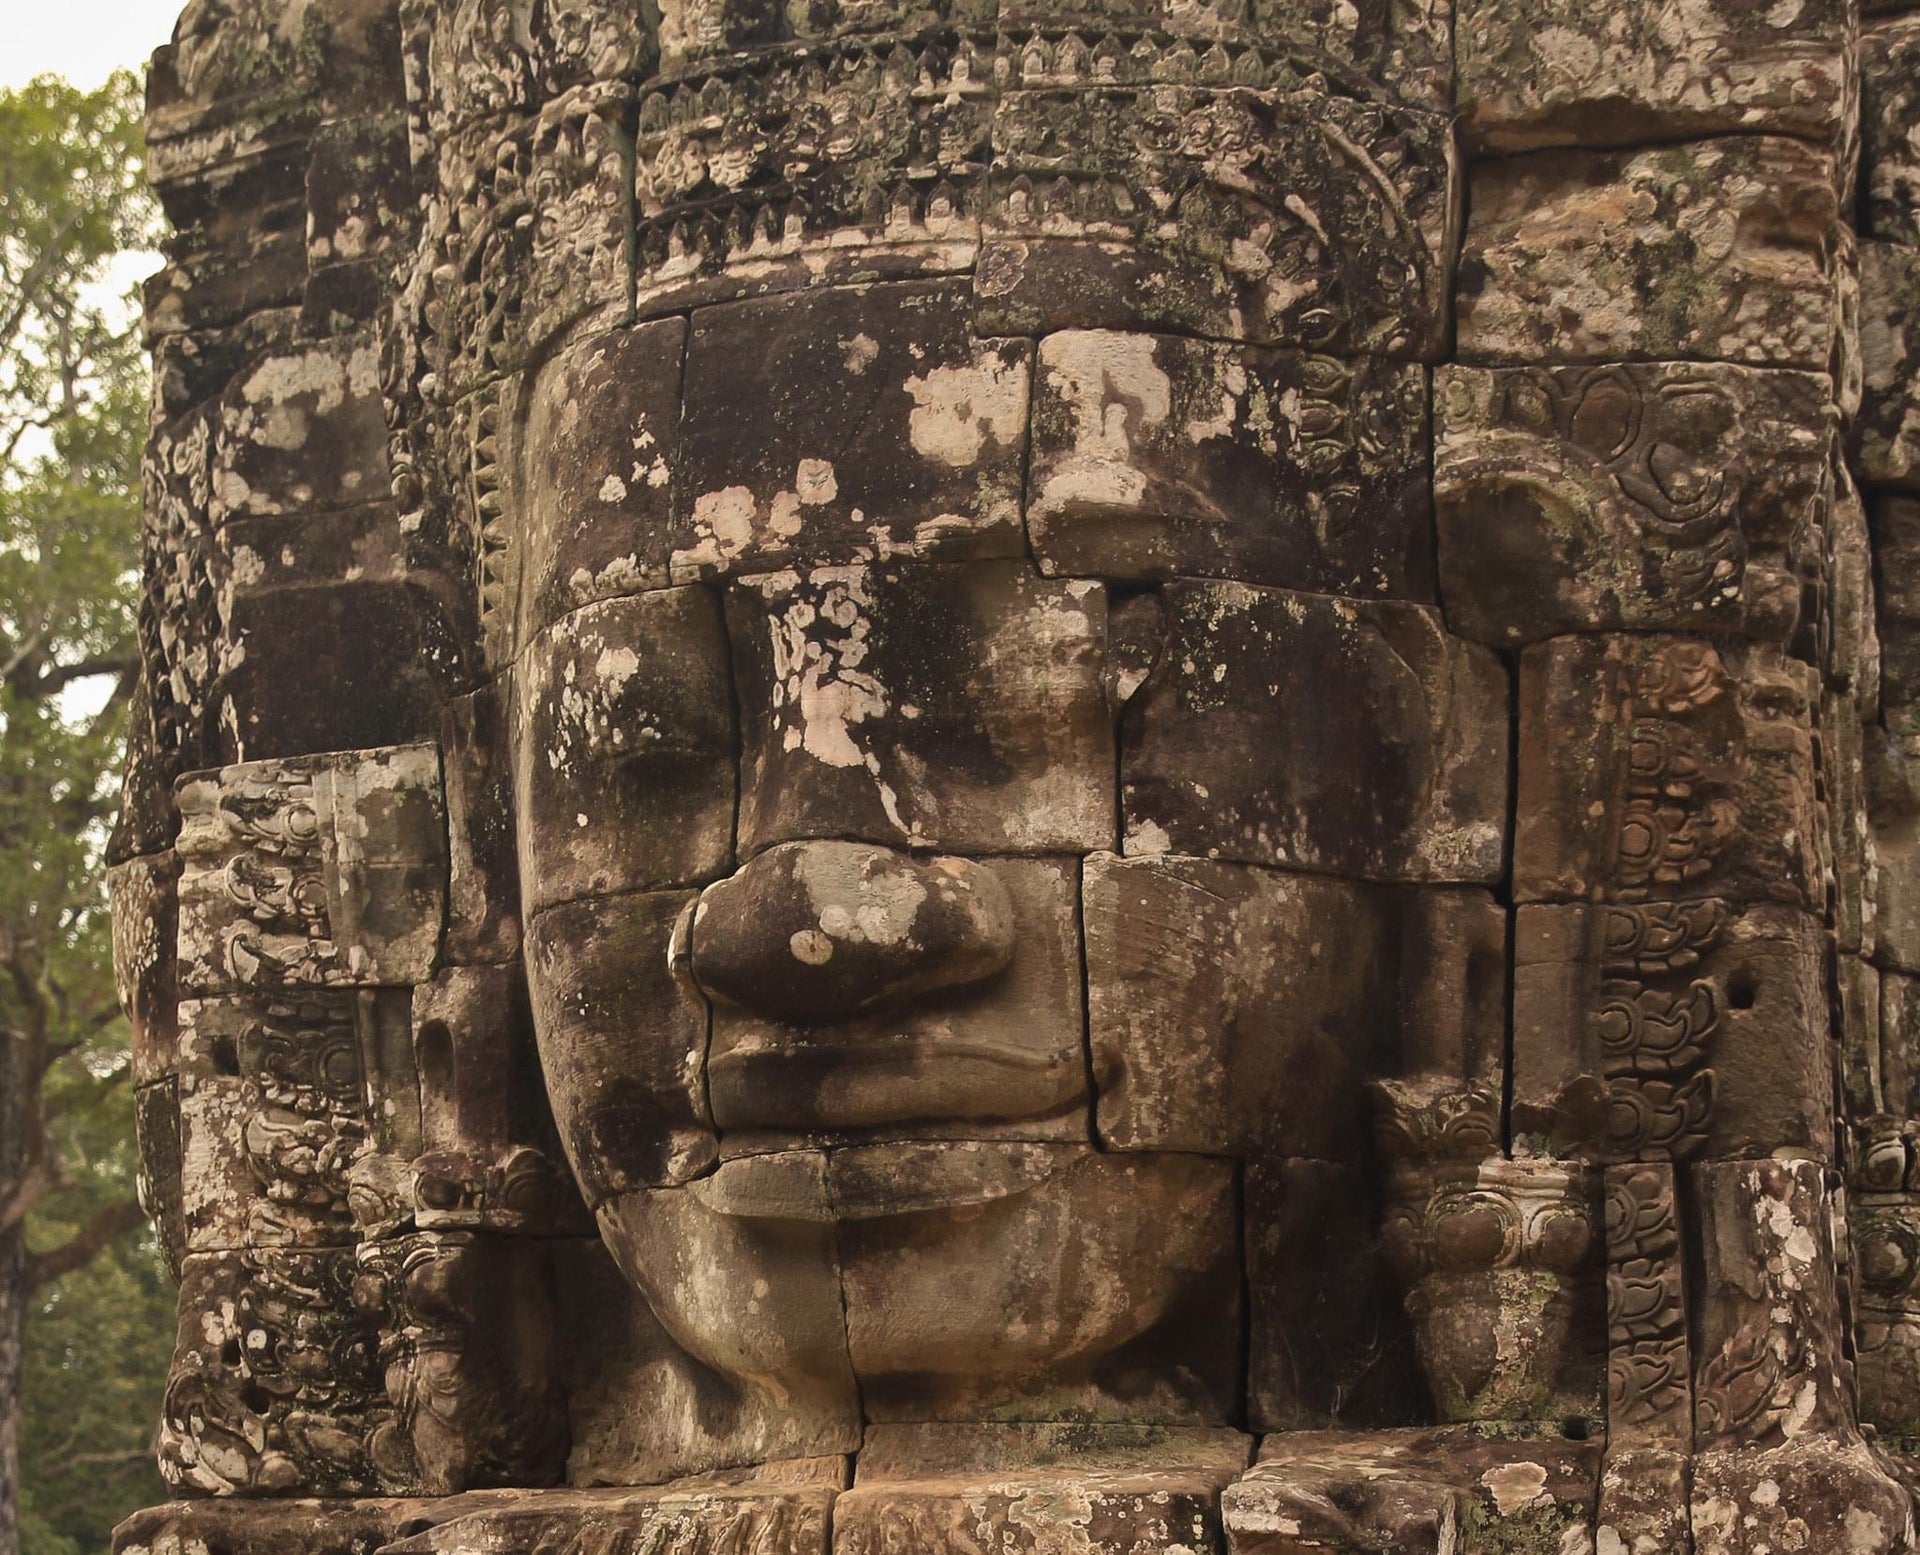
<point>83,40</point>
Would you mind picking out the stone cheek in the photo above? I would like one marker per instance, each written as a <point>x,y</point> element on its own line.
<point>1722,250</point>
<point>1241,745</point>
<point>623,738</point>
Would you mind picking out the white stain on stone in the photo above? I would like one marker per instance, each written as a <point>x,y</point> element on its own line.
<point>957,411</point>
<point>1110,385</point>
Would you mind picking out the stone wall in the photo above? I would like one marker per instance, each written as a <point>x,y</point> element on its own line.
<point>1367,557</point>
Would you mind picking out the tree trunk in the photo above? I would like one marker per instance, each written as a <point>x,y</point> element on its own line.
<point>13,1316</point>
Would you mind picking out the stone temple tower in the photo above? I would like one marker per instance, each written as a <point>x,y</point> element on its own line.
<point>1033,777</point>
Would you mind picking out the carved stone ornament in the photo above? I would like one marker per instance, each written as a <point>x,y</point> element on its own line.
<point>1032,778</point>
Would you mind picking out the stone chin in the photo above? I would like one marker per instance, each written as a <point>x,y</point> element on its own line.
<point>1010,1276</point>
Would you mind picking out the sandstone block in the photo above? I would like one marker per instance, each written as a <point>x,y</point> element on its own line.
<point>1646,497</point>
<point>1237,1010</point>
<point>1564,73</point>
<point>1240,746</point>
<point>142,894</point>
<point>692,1520</point>
<point>1887,435</point>
<point>1157,455</point>
<point>1771,1360</point>
<point>273,1114</point>
<point>483,869</point>
<point>1327,1336</point>
<point>1720,250</point>
<point>1886,1253</point>
<point>909,441</point>
<point>1649,1369</point>
<point>1890,128</point>
<point>1284,224</point>
<point>1408,1492</point>
<point>156,1135</point>
<point>623,1042</point>
<point>1827,1491</point>
<point>1666,768</point>
<point>1666,1029</point>
<point>276,1386</point>
<point>588,472</point>
<point>302,431</point>
<point>325,871</point>
<point>624,749</point>
<point>641,1409</point>
<point>927,707</point>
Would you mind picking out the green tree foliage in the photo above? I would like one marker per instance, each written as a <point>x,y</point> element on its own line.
<point>79,1394</point>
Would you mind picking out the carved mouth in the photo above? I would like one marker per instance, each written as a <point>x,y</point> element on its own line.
<point>873,1182</point>
<point>772,1080</point>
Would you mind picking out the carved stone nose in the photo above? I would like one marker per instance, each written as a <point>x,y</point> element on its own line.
<point>822,931</point>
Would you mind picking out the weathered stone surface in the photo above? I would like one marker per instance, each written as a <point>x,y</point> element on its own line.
<point>642,1410</point>
<point>623,1042</point>
<point>273,1113</point>
<point>909,442</point>
<point>697,1255</point>
<point>856,987</point>
<point>909,528</point>
<point>1887,437</point>
<point>1563,73</point>
<point>1666,768</point>
<point>142,894</point>
<point>1720,250</point>
<point>1646,497</point>
<point>623,738</point>
<point>1314,1268</point>
<point>1667,1029</point>
<point>1239,745</point>
<point>1643,1505</point>
<point>1770,1361</point>
<point>925,707</point>
<point>1237,1010</point>
<point>1889,118</point>
<point>302,431</point>
<point>1156,455</point>
<point>1295,215</point>
<point>531,235</point>
<point>276,1383</point>
<point>1831,1494</point>
<point>325,871</point>
<point>1095,1511</point>
<point>1649,1371</point>
<point>978,1277</point>
<point>289,1526</point>
<point>1893,810</point>
<point>1500,1264</point>
<point>695,1520</point>
<point>1886,1247</point>
<point>156,1135</point>
<point>1407,1492</point>
<point>595,447</point>
<point>483,873</point>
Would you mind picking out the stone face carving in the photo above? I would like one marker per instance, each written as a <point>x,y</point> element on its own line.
<point>1032,778</point>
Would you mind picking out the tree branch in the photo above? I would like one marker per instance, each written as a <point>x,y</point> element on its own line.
<point>103,1228</point>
